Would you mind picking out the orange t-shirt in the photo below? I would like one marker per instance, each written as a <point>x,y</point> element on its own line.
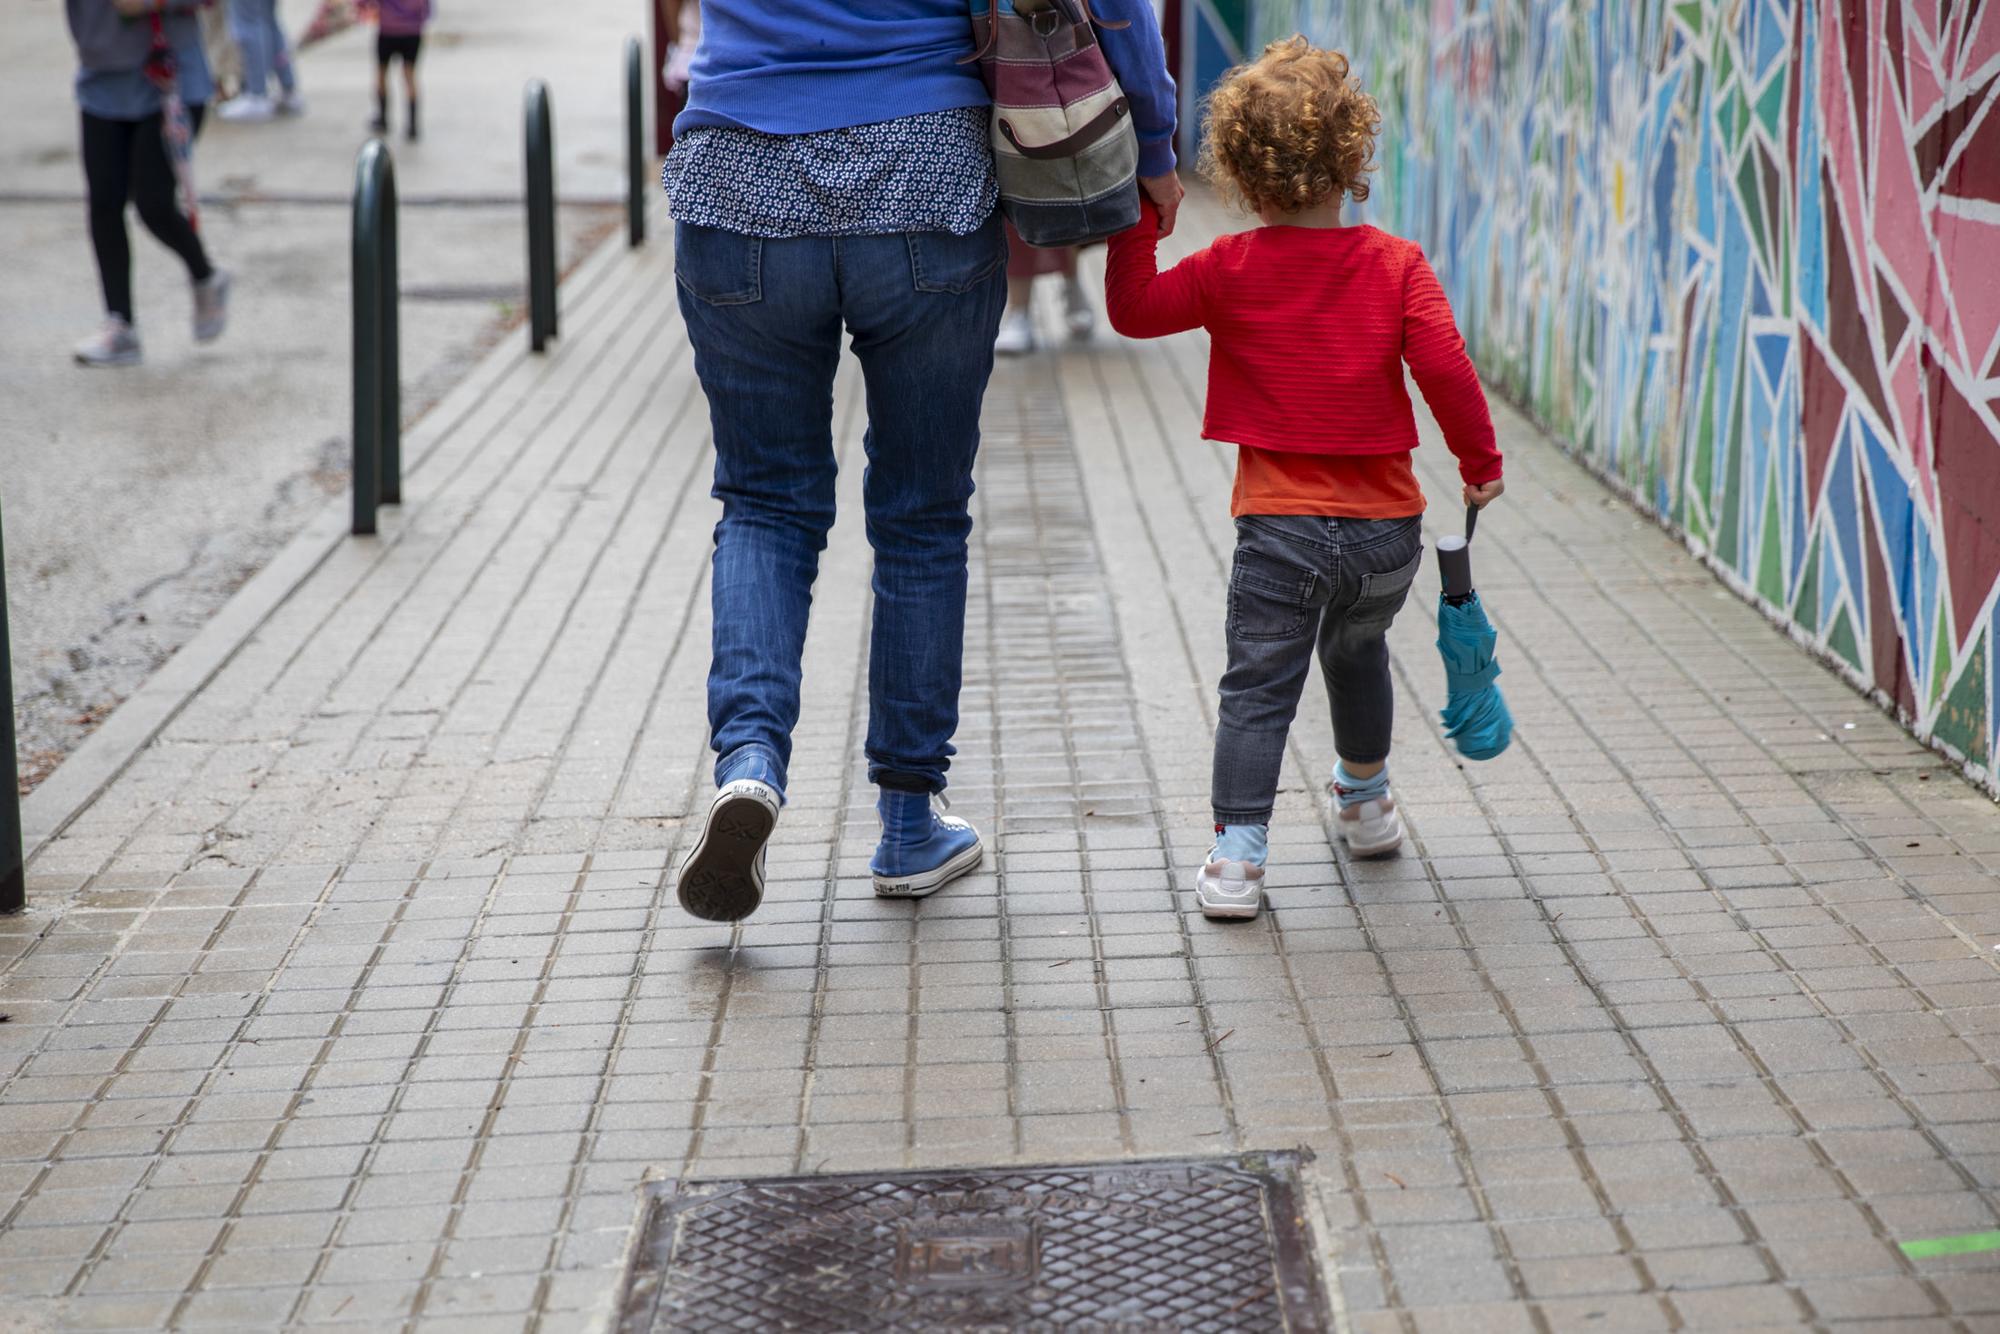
<point>1347,486</point>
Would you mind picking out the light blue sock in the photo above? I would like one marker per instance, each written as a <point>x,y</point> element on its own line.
<point>1247,843</point>
<point>1353,791</point>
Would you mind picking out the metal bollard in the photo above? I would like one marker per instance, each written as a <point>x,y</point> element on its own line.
<point>378,377</point>
<point>635,147</point>
<point>541,218</point>
<point>13,878</point>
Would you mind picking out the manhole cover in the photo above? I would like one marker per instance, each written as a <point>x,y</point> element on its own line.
<point>1209,1245</point>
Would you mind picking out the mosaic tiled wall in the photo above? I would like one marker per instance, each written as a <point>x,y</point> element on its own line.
<point>1745,256</point>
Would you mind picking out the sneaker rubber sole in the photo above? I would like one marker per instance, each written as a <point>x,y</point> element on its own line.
<point>925,883</point>
<point>721,880</point>
<point>1379,848</point>
<point>1232,912</point>
<point>1218,906</point>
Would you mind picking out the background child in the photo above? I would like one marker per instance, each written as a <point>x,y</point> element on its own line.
<point>1311,323</point>
<point>399,34</point>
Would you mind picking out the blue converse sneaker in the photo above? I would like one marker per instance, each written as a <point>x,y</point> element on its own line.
<point>921,851</point>
<point>722,880</point>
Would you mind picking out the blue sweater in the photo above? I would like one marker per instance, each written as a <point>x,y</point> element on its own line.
<point>800,66</point>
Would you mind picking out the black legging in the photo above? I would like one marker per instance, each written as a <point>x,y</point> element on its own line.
<point>127,159</point>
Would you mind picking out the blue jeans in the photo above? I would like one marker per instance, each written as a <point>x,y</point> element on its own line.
<point>1303,586</point>
<point>765,318</point>
<point>254,25</point>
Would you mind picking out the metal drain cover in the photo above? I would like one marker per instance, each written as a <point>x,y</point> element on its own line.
<point>1203,1245</point>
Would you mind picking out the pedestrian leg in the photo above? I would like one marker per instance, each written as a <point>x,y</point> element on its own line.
<point>107,174</point>
<point>923,309</point>
<point>155,191</point>
<point>251,24</point>
<point>763,318</point>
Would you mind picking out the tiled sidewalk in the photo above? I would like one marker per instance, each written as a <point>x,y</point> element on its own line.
<point>362,997</point>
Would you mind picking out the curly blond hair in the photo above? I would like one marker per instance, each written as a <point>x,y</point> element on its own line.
<point>1291,130</point>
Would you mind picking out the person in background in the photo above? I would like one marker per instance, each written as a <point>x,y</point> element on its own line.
<point>254,23</point>
<point>225,62</point>
<point>679,71</point>
<point>126,155</point>
<point>399,35</point>
<point>1311,322</point>
<point>1025,263</point>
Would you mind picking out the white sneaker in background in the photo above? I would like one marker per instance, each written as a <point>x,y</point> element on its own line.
<point>1017,334</point>
<point>1078,314</point>
<point>211,306</point>
<point>290,103</point>
<point>1371,828</point>
<point>247,108</point>
<point>116,343</point>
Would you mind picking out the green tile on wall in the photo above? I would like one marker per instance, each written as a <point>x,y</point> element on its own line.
<point>1841,640</point>
<point>1962,722</point>
<point>1940,652</point>
<point>1805,609</point>
<point>1729,509</point>
<point>1770,561</point>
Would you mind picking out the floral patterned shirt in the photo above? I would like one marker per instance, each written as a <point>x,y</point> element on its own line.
<point>925,173</point>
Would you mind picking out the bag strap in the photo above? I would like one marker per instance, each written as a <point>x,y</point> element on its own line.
<point>1090,17</point>
<point>992,38</point>
<point>1099,126</point>
<point>1084,15</point>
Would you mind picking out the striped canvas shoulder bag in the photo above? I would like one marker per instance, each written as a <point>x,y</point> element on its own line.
<point>1063,138</point>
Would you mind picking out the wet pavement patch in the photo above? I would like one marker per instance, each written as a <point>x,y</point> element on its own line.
<point>1216,1244</point>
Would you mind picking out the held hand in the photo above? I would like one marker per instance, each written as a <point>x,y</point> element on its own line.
<point>1166,194</point>
<point>1479,497</point>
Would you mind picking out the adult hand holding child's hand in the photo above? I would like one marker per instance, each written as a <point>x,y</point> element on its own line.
<point>1479,497</point>
<point>1166,194</point>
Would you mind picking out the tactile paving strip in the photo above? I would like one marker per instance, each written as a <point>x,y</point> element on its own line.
<point>1130,1247</point>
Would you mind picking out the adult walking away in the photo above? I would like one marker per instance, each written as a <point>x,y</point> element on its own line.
<point>141,78</point>
<point>266,53</point>
<point>833,169</point>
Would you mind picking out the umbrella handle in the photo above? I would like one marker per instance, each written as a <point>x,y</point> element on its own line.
<point>1471,522</point>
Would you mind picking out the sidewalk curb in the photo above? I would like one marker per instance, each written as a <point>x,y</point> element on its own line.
<point>107,752</point>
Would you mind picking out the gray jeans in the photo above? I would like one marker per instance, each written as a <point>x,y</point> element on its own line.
<point>1302,584</point>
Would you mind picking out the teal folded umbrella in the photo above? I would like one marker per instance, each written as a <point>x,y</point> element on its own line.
<point>1475,713</point>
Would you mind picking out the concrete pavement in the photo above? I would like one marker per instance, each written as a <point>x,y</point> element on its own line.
<point>137,501</point>
<point>362,998</point>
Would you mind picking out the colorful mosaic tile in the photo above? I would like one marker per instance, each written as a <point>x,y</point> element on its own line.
<point>1745,256</point>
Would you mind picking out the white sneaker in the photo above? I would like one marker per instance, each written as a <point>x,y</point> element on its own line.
<point>211,306</point>
<point>1078,314</point>
<point>1229,891</point>
<point>247,108</point>
<point>722,880</point>
<point>116,343</point>
<point>1017,334</point>
<point>1371,828</point>
<point>291,102</point>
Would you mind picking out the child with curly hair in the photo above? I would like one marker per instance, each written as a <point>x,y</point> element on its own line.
<point>1311,323</point>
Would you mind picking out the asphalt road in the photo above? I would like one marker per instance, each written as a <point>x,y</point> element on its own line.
<point>136,501</point>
